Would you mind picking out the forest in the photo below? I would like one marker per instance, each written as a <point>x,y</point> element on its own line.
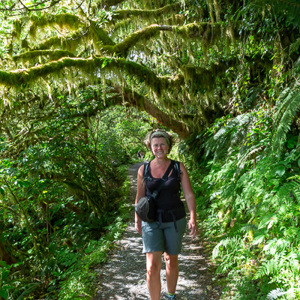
<point>81,84</point>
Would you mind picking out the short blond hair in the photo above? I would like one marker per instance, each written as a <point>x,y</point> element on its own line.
<point>159,133</point>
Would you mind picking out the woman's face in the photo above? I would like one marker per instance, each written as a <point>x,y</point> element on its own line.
<point>159,147</point>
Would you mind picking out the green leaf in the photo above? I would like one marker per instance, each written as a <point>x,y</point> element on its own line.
<point>259,239</point>
<point>3,294</point>
<point>279,170</point>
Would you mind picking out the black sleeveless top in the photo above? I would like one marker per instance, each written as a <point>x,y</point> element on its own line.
<point>167,202</point>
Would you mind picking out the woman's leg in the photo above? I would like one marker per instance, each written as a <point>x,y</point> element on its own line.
<point>153,263</point>
<point>171,272</point>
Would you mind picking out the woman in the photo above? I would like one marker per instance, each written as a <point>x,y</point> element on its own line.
<point>165,234</point>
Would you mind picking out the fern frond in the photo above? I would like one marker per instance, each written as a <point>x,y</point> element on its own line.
<point>252,151</point>
<point>288,191</point>
<point>286,112</point>
<point>229,243</point>
<point>228,136</point>
<point>276,294</point>
<point>249,227</point>
<point>295,191</point>
<point>267,268</point>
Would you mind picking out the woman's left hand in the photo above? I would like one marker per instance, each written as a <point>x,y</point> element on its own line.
<point>192,225</point>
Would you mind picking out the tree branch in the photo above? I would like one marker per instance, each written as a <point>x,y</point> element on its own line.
<point>53,54</point>
<point>32,7</point>
<point>136,100</point>
<point>207,31</point>
<point>123,14</point>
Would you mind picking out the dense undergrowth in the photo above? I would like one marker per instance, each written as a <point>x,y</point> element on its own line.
<point>63,203</point>
<point>247,185</point>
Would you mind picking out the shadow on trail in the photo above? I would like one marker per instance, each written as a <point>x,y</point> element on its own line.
<point>124,276</point>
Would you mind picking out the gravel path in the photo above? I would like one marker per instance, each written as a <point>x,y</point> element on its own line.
<point>124,275</point>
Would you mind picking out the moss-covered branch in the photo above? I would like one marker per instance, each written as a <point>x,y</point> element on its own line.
<point>70,42</point>
<point>67,20</point>
<point>88,65</point>
<point>100,34</point>
<point>206,30</point>
<point>198,77</point>
<point>208,33</point>
<point>52,54</point>
<point>207,77</point>
<point>136,100</point>
<point>138,36</point>
<point>144,13</point>
<point>107,3</point>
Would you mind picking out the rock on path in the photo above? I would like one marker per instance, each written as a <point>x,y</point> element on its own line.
<point>124,275</point>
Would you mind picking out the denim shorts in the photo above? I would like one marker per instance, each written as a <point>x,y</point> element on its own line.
<point>163,237</point>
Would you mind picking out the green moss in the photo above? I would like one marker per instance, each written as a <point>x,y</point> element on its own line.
<point>8,78</point>
<point>17,28</point>
<point>207,31</point>
<point>63,20</point>
<point>146,13</point>
<point>138,36</point>
<point>100,34</point>
<point>52,54</point>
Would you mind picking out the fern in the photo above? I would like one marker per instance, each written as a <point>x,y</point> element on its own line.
<point>270,267</point>
<point>229,243</point>
<point>273,267</point>
<point>228,135</point>
<point>289,192</point>
<point>253,151</point>
<point>26,290</point>
<point>276,294</point>
<point>286,112</point>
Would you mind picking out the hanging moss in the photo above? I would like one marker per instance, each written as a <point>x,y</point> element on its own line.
<point>17,28</point>
<point>217,7</point>
<point>208,31</point>
<point>211,10</point>
<point>50,42</point>
<point>63,20</point>
<point>30,75</point>
<point>206,78</point>
<point>100,34</point>
<point>144,13</point>
<point>52,54</point>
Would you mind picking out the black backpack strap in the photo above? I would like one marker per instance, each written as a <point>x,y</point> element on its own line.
<point>146,168</point>
<point>177,167</point>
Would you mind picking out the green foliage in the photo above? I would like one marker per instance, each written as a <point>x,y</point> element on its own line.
<point>248,198</point>
<point>287,111</point>
<point>59,195</point>
<point>224,73</point>
<point>79,280</point>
